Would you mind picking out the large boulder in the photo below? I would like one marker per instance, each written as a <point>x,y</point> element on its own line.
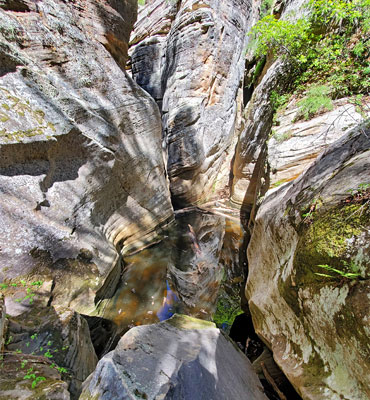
<point>309,266</point>
<point>182,358</point>
<point>81,167</point>
<point>190,57</point>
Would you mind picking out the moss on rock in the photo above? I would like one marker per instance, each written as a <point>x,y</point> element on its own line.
<point>327,240</point>
<point>185,322</point>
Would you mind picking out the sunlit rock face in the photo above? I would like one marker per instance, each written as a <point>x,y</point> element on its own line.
<point>190,57</point>
<point>315,318</point>
<point>295,143</point>
<point>182,358</point>
<point>81,166</point>
<point>249,169</point>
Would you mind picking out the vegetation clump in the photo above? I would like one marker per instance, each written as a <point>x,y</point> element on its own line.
<point>26,359</point>
<point>317,99</point>
<point>350,272</point>
<point>329,49</point>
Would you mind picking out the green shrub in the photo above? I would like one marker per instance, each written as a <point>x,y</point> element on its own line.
<point>282,137</point>
<point>317,99</point>
<point>281,37</point>
<point>331,46</point>
<point>266,6</point>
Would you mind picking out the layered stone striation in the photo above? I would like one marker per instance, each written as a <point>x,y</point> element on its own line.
<point>81,168</point>
<point>190,57</point>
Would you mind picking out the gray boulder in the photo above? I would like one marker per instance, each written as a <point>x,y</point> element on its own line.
<point>182,358</point>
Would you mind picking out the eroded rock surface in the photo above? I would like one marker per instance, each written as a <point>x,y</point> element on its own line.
<point>59,333</point>
<point>14,385</point>
<point>249,169</point>
<point>81,169</point>
<point>189,56</point>
<point>294,145</point>
<point>182,358</point>
<point>315,319</point>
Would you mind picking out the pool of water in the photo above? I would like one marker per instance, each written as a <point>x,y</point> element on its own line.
<point>182,273</point>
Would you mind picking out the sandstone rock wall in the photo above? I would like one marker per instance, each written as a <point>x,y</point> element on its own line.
<point>190,57</point>
<point>294,145</point>
<point>249,167</point>
<point>313,318</point>
<point>2,322</point>
<point>81,169</point>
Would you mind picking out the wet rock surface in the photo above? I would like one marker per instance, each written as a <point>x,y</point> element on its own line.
<point>182,273</point>
<point>182,358</point>
<point>312,316</point>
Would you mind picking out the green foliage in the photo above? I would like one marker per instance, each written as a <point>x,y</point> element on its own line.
<point>266,6</point>
<point>342,13</point>
<point>278,100</point>
<point>351,271</point>
<point>331,46</point>
<point>32,376</point>
<point>30,294</point>
<point>282,137</point>
<point>278,183</point>
<point>141,2</point>
<point>361,190</point>
<point>281,37</point>
<point>317,99</point>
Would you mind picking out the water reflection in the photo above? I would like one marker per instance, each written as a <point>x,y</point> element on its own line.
<point>195,269</point>
<point>170,306</point>
<point>181,274</point>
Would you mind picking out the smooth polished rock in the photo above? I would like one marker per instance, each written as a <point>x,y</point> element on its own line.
<point>181,358</point>
<point>190,57</point>
<point>81,168</point>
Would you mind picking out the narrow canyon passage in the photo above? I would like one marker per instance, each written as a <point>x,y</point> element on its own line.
<point>184,199</point>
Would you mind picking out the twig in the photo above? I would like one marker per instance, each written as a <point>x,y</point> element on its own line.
<point>271,381</point>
